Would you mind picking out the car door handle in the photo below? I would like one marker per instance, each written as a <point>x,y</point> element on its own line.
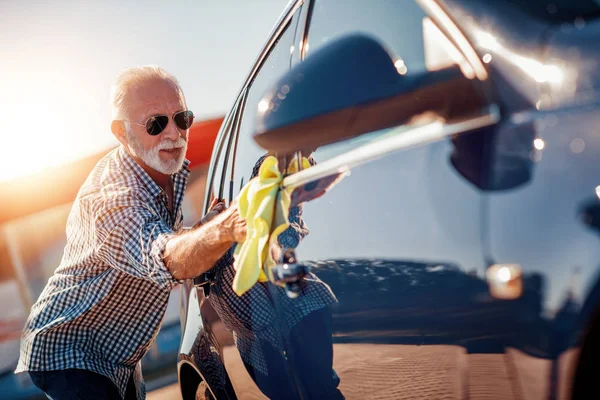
<point>289,274</point>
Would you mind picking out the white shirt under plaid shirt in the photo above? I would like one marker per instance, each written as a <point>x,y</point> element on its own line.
<point>104,305</point>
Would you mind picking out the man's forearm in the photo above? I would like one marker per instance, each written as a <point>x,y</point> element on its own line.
<point>191,253</point>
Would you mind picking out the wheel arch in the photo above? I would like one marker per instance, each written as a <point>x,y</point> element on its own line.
<point>189,380</point>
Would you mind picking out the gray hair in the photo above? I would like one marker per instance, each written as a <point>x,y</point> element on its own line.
<point>130,78</point>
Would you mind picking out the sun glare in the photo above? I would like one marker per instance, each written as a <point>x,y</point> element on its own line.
<point>31,143</point>
<point>48,123</point>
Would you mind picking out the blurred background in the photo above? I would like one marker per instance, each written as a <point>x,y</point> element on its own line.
<point>59,59</point>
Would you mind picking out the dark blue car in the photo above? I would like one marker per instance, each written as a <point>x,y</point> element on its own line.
<point>444,242</point>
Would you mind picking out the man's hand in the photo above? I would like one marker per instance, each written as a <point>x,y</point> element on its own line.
<point>196,251</point>
<point>232,224</point>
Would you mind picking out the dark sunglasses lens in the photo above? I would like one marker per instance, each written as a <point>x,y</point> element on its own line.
<point>184,119</point>
<point>156,125</point>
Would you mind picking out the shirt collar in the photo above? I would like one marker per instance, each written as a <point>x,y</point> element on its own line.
<point>128,163</point>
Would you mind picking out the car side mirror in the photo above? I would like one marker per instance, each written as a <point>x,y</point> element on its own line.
<point>352,86</point>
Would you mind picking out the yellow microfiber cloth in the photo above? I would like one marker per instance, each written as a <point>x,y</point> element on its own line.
<point>264,205</point>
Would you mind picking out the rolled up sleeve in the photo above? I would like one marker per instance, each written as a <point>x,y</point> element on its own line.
<point>132,239</point>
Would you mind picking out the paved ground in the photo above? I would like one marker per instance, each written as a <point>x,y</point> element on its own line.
<point>166,393</point>
<point>422,372</point>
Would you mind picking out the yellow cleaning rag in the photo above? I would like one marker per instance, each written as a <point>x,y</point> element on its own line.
<point>264,205</point>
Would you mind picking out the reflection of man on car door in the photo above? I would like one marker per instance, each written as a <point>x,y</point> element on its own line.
<point>274,332</point>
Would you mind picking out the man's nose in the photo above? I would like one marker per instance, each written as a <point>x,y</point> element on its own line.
<point>171,132</point>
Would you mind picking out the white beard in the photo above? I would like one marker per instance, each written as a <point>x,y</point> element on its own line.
<point>151,156</point>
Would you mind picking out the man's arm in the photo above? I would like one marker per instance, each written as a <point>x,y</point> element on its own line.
<point>189,254</point>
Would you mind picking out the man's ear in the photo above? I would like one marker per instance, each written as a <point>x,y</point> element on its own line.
<point>118,129</point>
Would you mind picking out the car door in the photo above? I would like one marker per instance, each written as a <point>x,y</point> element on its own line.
<point>247,316</point>
<point>548,229</point>
<point>204,335</point>
<point>398,299</point>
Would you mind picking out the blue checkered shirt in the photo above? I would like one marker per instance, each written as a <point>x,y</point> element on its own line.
<point>104,305</point>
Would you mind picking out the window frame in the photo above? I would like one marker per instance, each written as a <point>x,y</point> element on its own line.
<point>232,145</point>
<point>222,139</point>
<point>439,15</point>
<point>276,33</point>
<point>273,37</point>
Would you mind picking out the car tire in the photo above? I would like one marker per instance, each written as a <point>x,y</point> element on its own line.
<point>203,392</point>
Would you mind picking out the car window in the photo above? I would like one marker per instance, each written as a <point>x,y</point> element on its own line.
<point>219,158</point>
<point>398,25</point>
<point>217,169</point>
<point>274,66</point>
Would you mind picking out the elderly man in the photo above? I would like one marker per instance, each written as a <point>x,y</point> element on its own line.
<point>101,310</point>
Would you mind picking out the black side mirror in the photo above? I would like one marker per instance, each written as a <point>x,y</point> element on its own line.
<point>351,87</point>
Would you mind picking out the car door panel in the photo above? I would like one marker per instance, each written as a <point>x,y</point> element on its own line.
<point>401,300</point>
<point>547,226</point>
<point>238,321</point>
<point>542,228</point>
<point>400,242</point>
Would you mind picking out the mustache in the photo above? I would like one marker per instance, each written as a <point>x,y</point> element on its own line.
<point>170,144</point>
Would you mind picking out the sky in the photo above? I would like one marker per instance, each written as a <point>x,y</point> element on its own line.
<point>59,59</point>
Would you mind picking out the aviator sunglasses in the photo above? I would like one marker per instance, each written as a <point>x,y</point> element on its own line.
<point>155,125</point>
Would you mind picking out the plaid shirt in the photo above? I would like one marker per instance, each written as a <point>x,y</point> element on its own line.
<point>265,311</point>
<point>104,305</point>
